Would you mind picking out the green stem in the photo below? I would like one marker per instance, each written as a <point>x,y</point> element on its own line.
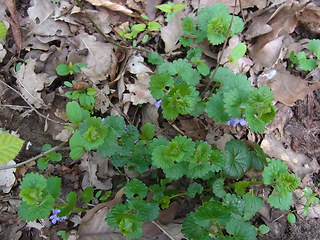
<point>179,194</point>
<point>218,227</point>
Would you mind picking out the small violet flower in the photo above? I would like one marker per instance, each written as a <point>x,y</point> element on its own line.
<point>235,121</point>
<point>54,218</point>
<point>157,104</point>
<point>199,162</point>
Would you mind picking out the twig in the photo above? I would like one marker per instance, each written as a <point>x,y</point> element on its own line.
<point>33,108</point>
<point>34,158</point>
<point>163,230</point>
<point>221,53</point>
<point>108,39</point>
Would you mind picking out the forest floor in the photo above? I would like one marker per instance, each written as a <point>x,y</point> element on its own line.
<point>51,32</point>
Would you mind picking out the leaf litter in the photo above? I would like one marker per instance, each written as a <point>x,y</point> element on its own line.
<point>55,33</point>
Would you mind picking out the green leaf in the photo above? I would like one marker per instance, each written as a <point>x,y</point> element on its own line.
<point>193,189</point>
<point>178,7</point>
<point>241,187</point>
<point>144,17</point>
<point>135,187</point>
<point>91,91</point>
<point>238,159</point>
<point>147,132</point>
<point>252,205</point>
<point>274,168</point>
<point>139,27</point>
<point>77,66</point>
<point>215,108</point>
<point>10,146</point>
<point>291,218</point>
<point>32,188</point>
<point>283,200</point>
<point>63,70</point>
<point>87,194</point>
<point>241,230</point>
<point>305,63</point>
<point>154,58</point>
<point>54,186</point>
<point>314,45</point>
<point>218,187</point>
<point>238,51</point>
<point>67,208</point>
<point>3,30</point>
<point>192,230</point>
<point>145,211</point>
<point>154,25</point>
<point>188,25</point>
<point>33,212</point>
<point>218,160</point>
<point>186,42</point>
<point>203,69</point>
<point>74,112</point>
<point>158,83</point>
<point>263,229</point>
<point>165,8</point>
<point>194,54</point>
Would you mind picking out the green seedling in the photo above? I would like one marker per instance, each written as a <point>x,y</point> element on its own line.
<point>10,146</point>
<point>43,162</point>
<point>311,199</point>
<point>171,8</point>
<point>237,52</point>
<point>64,69</point>
<point>308,62</point>
<point>3,30</point>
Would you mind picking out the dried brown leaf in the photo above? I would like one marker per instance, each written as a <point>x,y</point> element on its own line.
<point>286,87</point>
<point>114,6</point>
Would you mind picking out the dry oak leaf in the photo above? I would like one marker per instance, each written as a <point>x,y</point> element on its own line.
<point>286,87</point>
<point>30,83</point>
<point>112,6</point>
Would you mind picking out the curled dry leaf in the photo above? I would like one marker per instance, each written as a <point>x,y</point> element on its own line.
<point>112,5</point>
<point>135,65</point>
<point>286,87</point>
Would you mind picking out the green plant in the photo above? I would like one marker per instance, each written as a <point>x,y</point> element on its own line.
<point>237,52</point>
<point>52,156</point>
<point>171,8</point>
<point>3,30</point>
<point>10,146</point>
<point>311,199</point>
<point>132,33</point>
<point>64,69</point>
<point>308,62</point>
<point>85,96</point>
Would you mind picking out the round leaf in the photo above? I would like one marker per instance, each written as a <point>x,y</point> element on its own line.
<point>9,147</point>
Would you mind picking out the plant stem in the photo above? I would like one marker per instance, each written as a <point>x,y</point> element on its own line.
<point>218,227</point>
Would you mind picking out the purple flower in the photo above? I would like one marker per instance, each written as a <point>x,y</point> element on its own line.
<point>235,121</point>
<point>54,218</point>
<point>157,104</point>
<point>199,162</point>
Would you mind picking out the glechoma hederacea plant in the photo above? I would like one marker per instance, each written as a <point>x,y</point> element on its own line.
<point>218,177</point>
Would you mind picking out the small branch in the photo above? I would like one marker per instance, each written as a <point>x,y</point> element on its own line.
<point>34,158</point>
<point>220,55</point>
<point>163,230</point>
<point>34,109</point>
<point>108,39</point>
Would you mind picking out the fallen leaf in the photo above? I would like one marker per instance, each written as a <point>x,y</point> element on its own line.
<point>114,6</point>
<point>93,163</point>
<point>41,19</point>
<point>170,34</point>
<point>7,177</point>
<point>150,8</point>
<point>30,83</point>
<point>140,92</point>
<point>310,17</point>
<point>101,99</point>
<point>296,162</point>
<point>94,226</point>
<point>286,87</point>
<point>3,53</point>
<point>135,65</point>
<point>267,47</point>
<point>99,59</point>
